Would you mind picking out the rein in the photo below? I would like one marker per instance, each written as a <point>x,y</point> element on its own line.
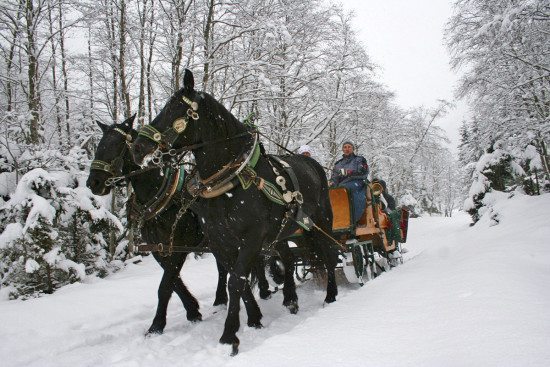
<point>285,149</point>
<point>158,154</point>
<point>111,181</point>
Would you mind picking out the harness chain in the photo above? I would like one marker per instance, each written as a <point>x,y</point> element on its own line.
<point>179,126</point>
<point>182,210</point>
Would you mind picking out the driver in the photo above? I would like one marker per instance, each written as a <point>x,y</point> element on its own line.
<point>350,172</point>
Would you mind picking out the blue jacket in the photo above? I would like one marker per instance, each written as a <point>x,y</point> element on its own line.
<point>352,167</point>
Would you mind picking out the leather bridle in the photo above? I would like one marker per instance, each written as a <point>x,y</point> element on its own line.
<point>114,167</point>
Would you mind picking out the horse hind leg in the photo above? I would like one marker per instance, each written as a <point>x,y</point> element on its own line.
<point>189,301</point>
<point>221,290</point>
<point>252,309</point>
<point>258,273</point>
<point>290,299</point>
<point>330,259</point>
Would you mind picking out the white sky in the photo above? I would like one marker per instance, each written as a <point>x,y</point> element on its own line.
<point>405,39</point>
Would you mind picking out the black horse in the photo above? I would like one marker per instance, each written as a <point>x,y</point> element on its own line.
<point>242,221</point>
<point>113,151</point>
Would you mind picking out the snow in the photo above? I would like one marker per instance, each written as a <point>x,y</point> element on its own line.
<point>56,258</point>
<point>465,296</point>
<point>31,266</point>
<point>11,233</point>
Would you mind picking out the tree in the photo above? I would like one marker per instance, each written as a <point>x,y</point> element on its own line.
<point>503,47</point>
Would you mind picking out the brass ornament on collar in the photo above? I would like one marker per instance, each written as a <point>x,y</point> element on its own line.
<point>157,137</point>
<point>179,125</point>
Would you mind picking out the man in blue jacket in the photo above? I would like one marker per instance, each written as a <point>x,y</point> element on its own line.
<point>351,172</point>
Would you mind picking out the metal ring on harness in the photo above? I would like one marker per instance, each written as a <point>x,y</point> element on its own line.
<point>298,196</point>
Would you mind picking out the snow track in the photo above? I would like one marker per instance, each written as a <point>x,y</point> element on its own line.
<point>464,297</point>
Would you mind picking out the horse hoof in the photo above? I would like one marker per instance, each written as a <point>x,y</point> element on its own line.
<point>219,302</point>
<point>255,324</point>
<point>154,331</point>
<point>330,299</point>
<point>194,317</point>
<point>292,307</point>
<point>234,349</point>
<point>230,339</point>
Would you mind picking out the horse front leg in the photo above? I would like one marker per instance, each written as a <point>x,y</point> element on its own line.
<point>236,286</point>
<point>189,301</point>
<point>164,293</point>
<point>238,280</point>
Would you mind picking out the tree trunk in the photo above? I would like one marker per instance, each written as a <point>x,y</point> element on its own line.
<point>125,93</point>
<point>208,37</point>
<point>544,157</point>
<point>33,97</point>
<point>91,74</point>
<point>112,234</point>
<point>64,74</point>
<point>54,79</point>
<point>114,62</point>
<point>142,66</point>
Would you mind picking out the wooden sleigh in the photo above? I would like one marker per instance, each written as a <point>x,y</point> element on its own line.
<point>376,239</point>
<point>386,229</point>
<point>379,231</point>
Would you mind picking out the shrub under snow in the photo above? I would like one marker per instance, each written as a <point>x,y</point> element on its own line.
<point>53,233</point>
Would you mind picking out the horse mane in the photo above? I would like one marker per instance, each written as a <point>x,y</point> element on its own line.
<point>224,121</point>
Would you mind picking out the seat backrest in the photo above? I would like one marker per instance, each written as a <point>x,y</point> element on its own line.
<point>341,209</point>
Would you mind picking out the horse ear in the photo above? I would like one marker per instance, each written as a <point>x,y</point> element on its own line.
<point>188,81</point>
<point>130,121</point>
<point>101,125</point>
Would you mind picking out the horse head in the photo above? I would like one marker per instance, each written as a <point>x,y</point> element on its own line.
<point>175,126</point>
<point>112,156</point>
<point>193,121</point>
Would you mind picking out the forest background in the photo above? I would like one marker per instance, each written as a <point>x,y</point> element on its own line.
<point>297,67</point>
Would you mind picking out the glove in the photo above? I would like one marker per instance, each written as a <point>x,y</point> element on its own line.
<point>346,172</point>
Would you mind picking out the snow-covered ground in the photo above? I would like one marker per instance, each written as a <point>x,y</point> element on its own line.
<point>466,296</point>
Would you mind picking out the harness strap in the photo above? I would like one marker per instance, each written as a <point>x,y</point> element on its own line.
<point>101,166</point>
<point>248,177</point>
<point>117,162</point>
<point>293,199</point>
<point>160,247</point>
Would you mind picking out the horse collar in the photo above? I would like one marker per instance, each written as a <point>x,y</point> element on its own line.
<point>224,180</point>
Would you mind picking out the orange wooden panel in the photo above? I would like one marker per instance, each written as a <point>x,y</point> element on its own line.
<point>340,208</point>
